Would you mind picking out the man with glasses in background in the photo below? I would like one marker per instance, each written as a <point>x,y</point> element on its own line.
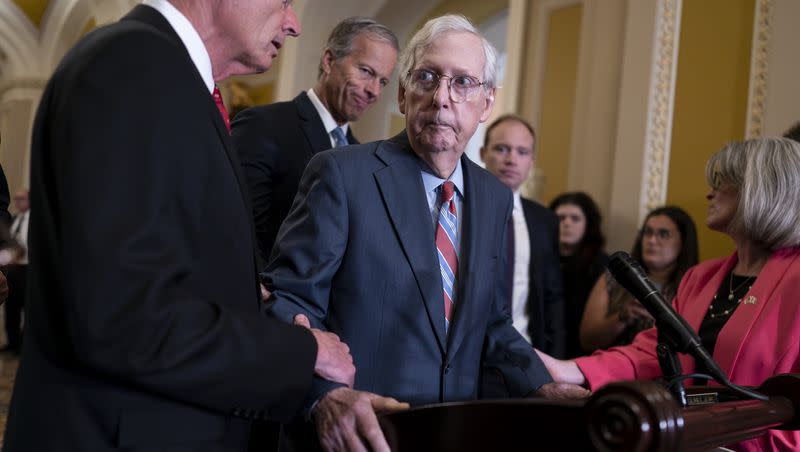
<point>397,246</point>
<point>276,141</point>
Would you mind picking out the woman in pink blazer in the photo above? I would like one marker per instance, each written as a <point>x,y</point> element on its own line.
<point>746,307</point>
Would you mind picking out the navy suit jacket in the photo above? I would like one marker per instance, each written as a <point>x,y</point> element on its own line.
<point>357,256</point>
<point>275,143</point>
<point>545,306</point>
<point>143,329</point>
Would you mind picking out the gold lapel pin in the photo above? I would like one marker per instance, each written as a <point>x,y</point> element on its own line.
<point>750,300</point>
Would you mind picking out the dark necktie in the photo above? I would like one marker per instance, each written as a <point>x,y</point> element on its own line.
<point>222,110</point>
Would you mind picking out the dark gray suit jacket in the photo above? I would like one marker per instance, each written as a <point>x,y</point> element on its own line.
<point>275,143</point>
<point>357,256</point>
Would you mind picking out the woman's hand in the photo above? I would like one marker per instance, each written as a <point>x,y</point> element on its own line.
<point>562,371</point>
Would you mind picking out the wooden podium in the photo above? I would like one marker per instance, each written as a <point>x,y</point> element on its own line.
<point>629,416</point>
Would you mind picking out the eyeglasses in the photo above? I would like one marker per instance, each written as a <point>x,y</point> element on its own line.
<point>661,234</point>
<point>461,87</point>
<point>716,180</point>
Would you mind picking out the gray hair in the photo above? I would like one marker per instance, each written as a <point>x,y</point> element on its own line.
<point>435,28</point>
<point>340,41</point>
<point>766,172</point>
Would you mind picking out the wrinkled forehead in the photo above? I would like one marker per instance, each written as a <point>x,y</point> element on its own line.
<point>457,52</point>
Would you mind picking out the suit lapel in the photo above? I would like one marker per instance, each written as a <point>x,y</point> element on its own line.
<point>311,124</point>
<point>401,188</point>
<point>150,16</point>
<point>351,139</point>
<point>153,18</point>
<point>536,291</point>
<point>736,331</point>
<point>475,201</point>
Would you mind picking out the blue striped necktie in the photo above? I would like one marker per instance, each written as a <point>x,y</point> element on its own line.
<point>446,229</point>
<point>339,137</point>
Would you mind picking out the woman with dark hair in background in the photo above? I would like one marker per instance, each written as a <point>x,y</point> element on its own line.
<point>581,244</point>
<point>666,246</point>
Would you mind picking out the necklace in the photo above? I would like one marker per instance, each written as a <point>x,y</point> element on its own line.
<point>731,290</point>
<point>730,305</point>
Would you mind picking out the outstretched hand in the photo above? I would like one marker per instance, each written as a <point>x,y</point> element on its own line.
<point>334,361</point>
<point>562,371</point>
<point>346,420</point>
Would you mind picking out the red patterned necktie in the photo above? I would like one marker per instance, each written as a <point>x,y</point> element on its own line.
<point>221,106</point>
<point>446,230</point>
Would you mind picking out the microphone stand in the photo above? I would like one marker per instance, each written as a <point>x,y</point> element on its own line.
<point>671,369</point>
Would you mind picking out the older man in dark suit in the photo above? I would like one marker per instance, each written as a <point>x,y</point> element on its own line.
<point>276,141</point>
<point>143,330</point>
<point>534,273</point>
<point>398,245</point>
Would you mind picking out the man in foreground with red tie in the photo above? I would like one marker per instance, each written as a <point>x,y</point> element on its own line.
<point>143,330</point>
<point>397,246</point>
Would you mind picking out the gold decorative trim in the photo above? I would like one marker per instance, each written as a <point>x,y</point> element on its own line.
<point>660,106</point>
<point>762,31</point>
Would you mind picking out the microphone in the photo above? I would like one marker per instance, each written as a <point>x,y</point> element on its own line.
<point>671,327</point>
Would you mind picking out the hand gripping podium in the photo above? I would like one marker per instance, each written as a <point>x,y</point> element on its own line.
<point>629,416</point>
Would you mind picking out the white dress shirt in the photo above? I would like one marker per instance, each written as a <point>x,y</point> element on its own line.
<point>326,116</point>
<point>19,232</point>
<point>522,260</point>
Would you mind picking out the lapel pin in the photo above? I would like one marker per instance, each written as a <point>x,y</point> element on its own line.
<point>750,300</point>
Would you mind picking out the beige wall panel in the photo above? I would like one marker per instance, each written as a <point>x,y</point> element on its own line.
<point>645,100</point>
<point>558,98</point>
<point>782,102</point>
<point>710,102</point>
<point>597,99</point>
<point>15,141</point>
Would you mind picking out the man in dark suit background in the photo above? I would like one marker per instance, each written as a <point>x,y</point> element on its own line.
<point>143,330</point>
<point>534,275</point>
<point>276,141</point>
<point>398,246</point>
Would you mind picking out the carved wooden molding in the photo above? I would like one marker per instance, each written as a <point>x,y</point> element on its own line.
<point>661,103</point>
<point>756,99</point>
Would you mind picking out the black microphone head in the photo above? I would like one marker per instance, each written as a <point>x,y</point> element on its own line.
<point>629,274</point>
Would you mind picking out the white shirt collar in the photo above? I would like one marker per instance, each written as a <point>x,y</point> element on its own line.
<point>190,38</point>
<point>432,181</point>
<point>324,114</point>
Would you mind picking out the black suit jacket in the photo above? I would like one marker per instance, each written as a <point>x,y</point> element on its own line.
<point>5,216</point>
<point>275,143</point>
<point>357,255</point>
<point>545,306</point>
<point>143,330</point>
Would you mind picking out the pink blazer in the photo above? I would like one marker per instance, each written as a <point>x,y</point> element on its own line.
<point>761,339</point>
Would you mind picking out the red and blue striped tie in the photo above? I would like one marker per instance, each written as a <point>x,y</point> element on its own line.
<point>446,230</point>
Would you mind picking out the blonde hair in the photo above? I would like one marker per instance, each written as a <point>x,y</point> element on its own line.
<point>766,172</point>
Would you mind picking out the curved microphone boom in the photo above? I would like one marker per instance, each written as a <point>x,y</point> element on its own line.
<point>671,327</point>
